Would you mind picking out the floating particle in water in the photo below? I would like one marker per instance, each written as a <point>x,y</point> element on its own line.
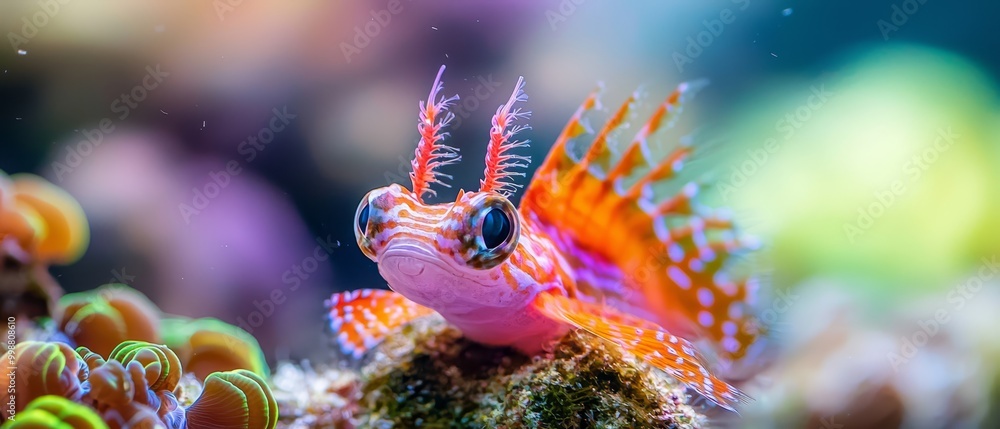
<point>774,55</point>
<point>787,12</point>
<point>435,28</point>
<point>22,52</point>
<point>165,113</point>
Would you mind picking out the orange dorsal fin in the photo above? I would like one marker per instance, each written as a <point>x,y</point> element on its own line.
<point>362,318</point>
<point>649,342</point>
<point>599,152</point>
<point>559,161</point>
<point>671,252</point>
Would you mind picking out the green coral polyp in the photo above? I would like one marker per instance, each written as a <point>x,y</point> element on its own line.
<point>162,367</point>
<point>55,412</point>
<point>39,369</point>
<point>134,387</point>
<point>210,345</point>
<point>234,399</point>
<point>103,318</point>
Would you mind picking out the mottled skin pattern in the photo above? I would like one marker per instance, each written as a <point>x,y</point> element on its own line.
<point>592,247</point>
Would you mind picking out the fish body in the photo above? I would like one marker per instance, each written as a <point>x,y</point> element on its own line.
<point>591,246</point>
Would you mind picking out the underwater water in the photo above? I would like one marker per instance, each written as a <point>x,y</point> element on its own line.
<point>557,213</point>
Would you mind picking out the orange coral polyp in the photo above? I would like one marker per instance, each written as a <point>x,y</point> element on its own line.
<point>66,230</point>
<point>43,219</point>
<point>102,319</point>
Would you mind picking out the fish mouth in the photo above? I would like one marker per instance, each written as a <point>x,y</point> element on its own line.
<point>420,274</point>
<point>411,259</point>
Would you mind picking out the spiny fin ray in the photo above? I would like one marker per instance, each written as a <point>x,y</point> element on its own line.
<point>667,112</point>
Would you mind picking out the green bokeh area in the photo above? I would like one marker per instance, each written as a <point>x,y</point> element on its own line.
<point>889,184</point>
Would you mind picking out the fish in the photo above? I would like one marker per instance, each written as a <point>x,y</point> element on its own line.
<point>590,246</point>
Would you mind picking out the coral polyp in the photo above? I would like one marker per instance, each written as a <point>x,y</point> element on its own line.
<point>45,220</point>
<point>56,412</point>
<point>40,225</point>
<point>159,363</point>
<point>236,399</point>
<point>38,369</point>
<point>121,396</point>
<point>135,387</point>
<point>210,345</point>
<point>60,231</point>
<point>103,318</point>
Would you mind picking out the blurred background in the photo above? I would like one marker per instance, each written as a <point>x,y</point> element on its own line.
<point>220,148</point>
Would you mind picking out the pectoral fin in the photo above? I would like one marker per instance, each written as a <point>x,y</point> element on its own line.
<point>363,318</point>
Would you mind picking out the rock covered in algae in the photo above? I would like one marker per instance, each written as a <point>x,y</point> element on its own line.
<point>429,376</point>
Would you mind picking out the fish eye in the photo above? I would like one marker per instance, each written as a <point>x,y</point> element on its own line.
<point>361,226</point>
<point>363,212</point>
<point>496,228</point>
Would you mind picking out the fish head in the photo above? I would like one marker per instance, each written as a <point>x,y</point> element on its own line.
<point>452,257</point>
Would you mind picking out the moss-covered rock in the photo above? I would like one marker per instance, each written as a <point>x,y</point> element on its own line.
<point>429,376</point>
